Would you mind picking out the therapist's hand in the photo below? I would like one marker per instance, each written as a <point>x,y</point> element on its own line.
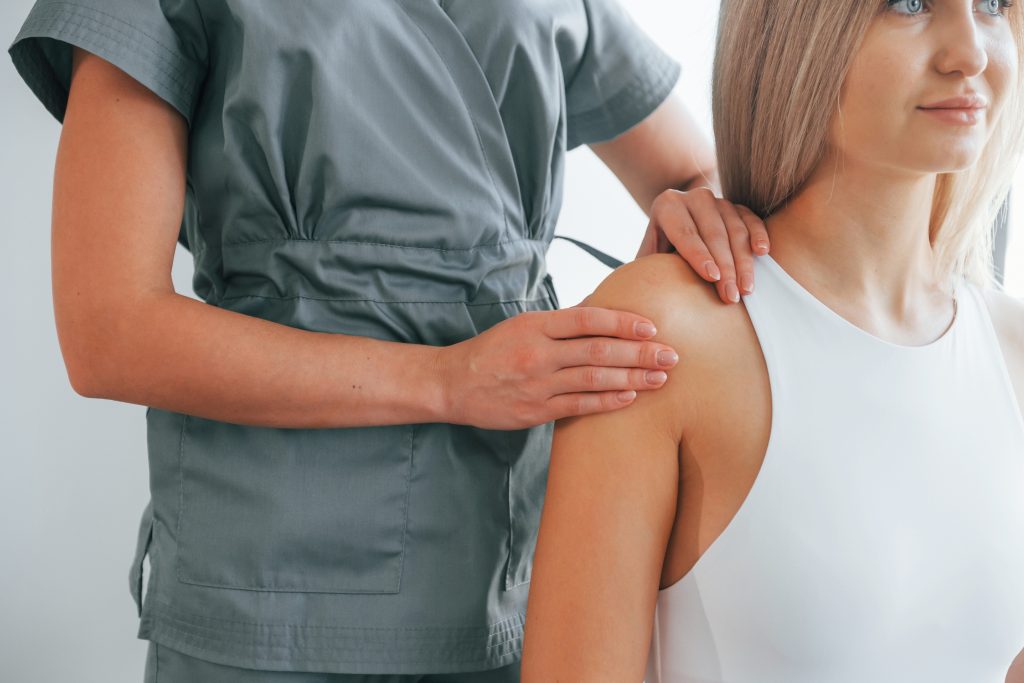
<point>541,366</point>
<point>717,238</point>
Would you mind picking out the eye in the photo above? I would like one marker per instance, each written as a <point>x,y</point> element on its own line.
<point>996,7</point>
<point>912,6</point>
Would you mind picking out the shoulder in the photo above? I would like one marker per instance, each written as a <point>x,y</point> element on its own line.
<point>713,339</point>
<point>660,285</point>
<point>685,308</point>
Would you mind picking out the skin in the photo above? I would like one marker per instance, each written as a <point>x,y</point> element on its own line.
<point>713,235</point>
<point>649,519</point>
<point>126,335</point>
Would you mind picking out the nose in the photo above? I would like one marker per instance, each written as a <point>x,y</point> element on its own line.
<point>961,44</point>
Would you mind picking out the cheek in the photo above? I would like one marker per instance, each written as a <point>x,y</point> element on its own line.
<point>876,87</point>
<point>874,96</point>
<point>1002,72</point>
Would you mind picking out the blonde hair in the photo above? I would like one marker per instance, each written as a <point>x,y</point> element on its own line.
<point>778,71</point>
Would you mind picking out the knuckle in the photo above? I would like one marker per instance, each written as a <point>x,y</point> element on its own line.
<point>584,318</point>
<point>663,198</point>
<point>524,358</point>
<point>524,319</point>
<point>577,405</point>
<point>598,351</point>
<point>736,229</point>
<point>593,377</point>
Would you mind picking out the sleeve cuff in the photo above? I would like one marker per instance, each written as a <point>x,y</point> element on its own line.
<point>45,65</point>
<point>629,106</point>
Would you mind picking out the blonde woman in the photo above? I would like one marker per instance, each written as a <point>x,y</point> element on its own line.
<point>831,486</point>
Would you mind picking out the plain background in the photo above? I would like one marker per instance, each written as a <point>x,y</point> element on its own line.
<point>75,475</point>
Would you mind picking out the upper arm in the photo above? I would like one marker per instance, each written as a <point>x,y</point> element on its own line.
<point>607,517</point>
<point>118,201</point>
<point>667,150</point>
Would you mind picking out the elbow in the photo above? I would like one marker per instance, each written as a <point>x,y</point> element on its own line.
<point>82,376</point>
<point>85,352</point>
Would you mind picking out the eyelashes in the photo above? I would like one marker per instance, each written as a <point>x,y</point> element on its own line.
<point>1001,6</point>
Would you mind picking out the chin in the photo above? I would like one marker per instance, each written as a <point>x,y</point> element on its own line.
<point>950,159</point>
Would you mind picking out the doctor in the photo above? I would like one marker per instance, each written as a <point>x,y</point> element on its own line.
<point>348,436</point>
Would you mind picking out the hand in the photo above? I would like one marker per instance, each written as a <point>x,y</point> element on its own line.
<point>544,365</point>
<point>707,230</point>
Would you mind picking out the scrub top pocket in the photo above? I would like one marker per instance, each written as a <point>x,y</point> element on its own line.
<point>312,510</point>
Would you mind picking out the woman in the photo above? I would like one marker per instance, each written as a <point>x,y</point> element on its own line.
<point>348,436</point>
<point>832,487</point>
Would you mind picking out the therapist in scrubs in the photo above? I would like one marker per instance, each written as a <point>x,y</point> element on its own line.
<point>348,437</point>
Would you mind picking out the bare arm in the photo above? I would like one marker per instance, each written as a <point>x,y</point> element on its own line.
<point>125,334</point>
<point>608,513</point>
<point>666,151</point>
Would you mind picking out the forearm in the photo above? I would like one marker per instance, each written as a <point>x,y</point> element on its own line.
<point>178,354</point>
<point>667,151</point>
<point>708,179</point>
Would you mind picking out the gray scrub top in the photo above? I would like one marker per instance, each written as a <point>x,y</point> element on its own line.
<point>383,168</point>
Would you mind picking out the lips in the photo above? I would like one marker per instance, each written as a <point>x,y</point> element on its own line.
<point>961,102</point>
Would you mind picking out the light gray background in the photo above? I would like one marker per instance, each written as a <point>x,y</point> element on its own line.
<point>74,473</point>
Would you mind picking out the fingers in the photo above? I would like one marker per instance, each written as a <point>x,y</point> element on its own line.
<point>702,226</point>
<point>590,321</point>
<point>600,379</point>
<point>572,405</point>
<point>739,241</point>
<point>717,228</point>
<point>671,213</point>
<point>755,226</point>
<point>615,353</point>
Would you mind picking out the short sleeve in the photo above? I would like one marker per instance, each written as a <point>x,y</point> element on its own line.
<point>160,43</point>
<point>621,76</point>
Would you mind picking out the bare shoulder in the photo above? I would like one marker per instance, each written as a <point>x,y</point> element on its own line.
<point>665,289</point>
<point>708,334</point>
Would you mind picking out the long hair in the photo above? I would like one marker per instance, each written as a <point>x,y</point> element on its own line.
<point>778,71</point>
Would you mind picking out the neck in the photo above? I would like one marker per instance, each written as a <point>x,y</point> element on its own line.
<point>858,235</point>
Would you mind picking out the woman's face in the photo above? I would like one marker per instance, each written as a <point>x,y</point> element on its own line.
<point>917,54</point>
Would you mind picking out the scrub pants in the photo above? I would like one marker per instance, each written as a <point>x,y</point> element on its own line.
<point>164,665</point>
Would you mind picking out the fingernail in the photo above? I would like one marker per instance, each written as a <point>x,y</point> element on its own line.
<point>761,246</point>
<point>748,283</point>
<point>667,357</point>
<point>655,377</point>
<point>712,270</point>
<point>627,396</point>
<point>732,292</point>
<point>645,330</point>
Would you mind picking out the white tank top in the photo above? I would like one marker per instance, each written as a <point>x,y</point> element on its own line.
<point>883,539</point>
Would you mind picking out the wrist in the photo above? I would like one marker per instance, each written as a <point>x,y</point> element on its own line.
<point>438,398</point>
